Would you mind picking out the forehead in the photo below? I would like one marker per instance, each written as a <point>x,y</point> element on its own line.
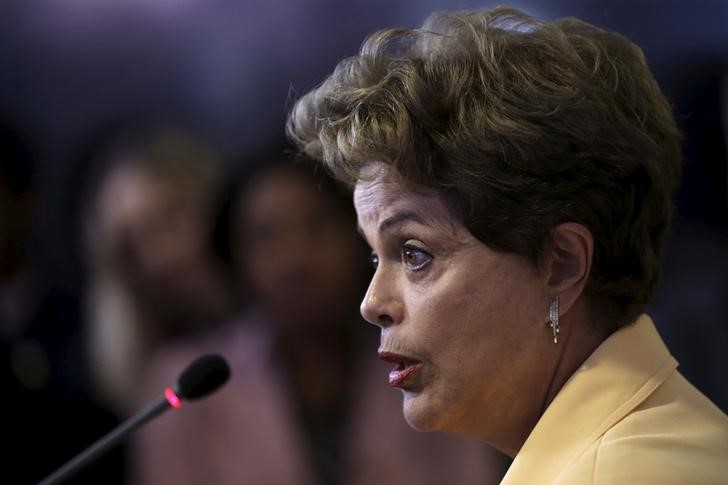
<point>284,195</point>
<point>279,186</point>
<point>379,195</point>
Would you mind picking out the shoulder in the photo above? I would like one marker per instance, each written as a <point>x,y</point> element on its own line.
<point>675,411</point>
<point>676,436</point>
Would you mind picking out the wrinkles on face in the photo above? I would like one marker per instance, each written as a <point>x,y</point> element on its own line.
<point>401,222</point>
<point>383,203</point>
<point>471,314</point>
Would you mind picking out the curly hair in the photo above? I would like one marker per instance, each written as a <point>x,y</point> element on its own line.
<point>521,124</point>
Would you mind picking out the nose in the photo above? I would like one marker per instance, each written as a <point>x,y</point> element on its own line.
<point>381,305</point>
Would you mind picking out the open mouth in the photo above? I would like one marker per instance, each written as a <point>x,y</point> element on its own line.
<point>405,368</point>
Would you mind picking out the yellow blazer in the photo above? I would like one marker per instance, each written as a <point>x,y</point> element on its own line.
<point>626,416</point>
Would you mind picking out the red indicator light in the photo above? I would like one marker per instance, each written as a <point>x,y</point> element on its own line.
<point>172,398</point>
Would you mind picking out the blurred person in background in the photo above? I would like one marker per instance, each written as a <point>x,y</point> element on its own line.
<point>43,383</point>
<point>151,275</point>
<point>304,405</point>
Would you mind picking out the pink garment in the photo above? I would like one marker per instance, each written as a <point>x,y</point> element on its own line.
<point>246,433</point>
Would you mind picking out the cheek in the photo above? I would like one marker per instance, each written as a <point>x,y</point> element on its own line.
<point>483,315</point>
<point>341,260</point>
<point>259,272</point>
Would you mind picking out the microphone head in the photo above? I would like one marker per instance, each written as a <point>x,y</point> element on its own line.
<point>203,376</point>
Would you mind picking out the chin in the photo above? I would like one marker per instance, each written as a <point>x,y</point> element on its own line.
<point>422,414</point>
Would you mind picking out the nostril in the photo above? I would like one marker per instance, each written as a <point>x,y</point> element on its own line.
<point>385,319</point>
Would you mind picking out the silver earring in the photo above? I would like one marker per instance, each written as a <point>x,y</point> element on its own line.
<point>554,317</point>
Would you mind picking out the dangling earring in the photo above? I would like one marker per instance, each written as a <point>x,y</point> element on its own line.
<point>554,317</point>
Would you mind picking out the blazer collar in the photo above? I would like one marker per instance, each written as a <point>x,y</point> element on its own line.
<point>619,375</point>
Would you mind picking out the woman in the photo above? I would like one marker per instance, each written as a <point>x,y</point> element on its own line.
<point>304,405</point>
<point>152,278</point>
<point>514,179</point>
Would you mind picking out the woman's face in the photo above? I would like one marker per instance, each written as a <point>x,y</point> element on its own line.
<point>154,231</point>
<point>299,251</point>
<point>464,325</point>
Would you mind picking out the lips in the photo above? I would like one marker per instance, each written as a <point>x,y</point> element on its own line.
<point>405,370</point>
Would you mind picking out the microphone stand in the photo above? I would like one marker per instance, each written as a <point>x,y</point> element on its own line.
<point>200,378</point>
<point>111,439</point>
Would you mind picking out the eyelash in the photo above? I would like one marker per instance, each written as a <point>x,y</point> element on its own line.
<point>408,250</point>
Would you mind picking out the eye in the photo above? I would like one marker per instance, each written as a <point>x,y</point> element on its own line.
<point>415,258</point>
<point>374,259</point>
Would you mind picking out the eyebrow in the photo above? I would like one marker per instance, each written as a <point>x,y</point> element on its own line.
<point>400,218</point>
<point>397,219</point>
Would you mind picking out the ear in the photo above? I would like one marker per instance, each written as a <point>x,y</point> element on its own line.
<point>567,263</point>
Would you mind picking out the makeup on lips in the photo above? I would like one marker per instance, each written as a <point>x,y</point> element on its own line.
<point>405,370</point>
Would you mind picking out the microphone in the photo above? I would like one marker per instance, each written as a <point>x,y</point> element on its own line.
<point>202,377</point>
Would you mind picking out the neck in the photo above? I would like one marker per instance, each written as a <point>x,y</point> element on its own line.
<point>581,334</point>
